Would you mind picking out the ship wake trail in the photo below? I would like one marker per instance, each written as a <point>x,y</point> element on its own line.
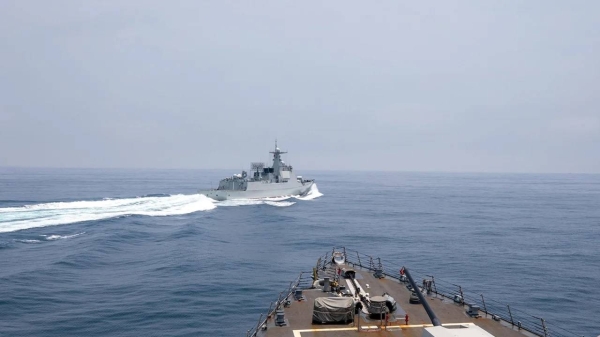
<point>61,213</point>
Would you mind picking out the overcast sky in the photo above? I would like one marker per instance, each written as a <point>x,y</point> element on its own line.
<point>489,86</point>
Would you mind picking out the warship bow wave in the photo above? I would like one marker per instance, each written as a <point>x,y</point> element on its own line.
<point>278,180</point>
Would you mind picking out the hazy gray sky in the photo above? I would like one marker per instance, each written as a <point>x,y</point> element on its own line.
<point>500,86</point>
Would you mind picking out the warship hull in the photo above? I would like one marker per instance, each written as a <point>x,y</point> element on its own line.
<point>261,190</point>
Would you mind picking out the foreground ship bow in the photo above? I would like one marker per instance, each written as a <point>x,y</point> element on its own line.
<point>352,294</point>
<point>278,180</point>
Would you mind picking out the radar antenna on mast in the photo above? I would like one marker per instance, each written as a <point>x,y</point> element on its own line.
<point>277,150</point>
<point>256,166</point>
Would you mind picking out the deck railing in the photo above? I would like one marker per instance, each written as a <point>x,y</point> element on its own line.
<point>303,281</point>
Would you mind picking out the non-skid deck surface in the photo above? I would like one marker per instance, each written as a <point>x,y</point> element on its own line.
<point>299,315</point>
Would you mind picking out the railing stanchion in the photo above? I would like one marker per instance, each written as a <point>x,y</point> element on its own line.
<point>484,307</point>
<point>380,315</point>
<point>434,287</point>
<point>259,320</point>
<point>270,306</point>
<point>358,323</point>
<point>544,326</point>
<point>278,300</point>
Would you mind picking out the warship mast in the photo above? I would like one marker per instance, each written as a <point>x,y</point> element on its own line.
<point>277,164</point>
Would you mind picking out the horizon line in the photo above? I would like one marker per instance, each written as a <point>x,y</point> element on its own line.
<point>326,170</point>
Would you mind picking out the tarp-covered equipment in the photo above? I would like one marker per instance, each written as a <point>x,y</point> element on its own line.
<point>333,310</point>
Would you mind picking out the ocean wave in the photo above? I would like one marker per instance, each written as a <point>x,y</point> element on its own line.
<point>28,241</point>
<point>58,237</point>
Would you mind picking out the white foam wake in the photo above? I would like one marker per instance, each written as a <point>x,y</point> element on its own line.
<point>313,193</point>
<point>60,213</point>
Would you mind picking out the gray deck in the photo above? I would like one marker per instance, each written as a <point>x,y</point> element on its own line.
<point>299,315</point>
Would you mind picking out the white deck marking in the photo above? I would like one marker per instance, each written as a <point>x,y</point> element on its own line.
<point>297,333</point>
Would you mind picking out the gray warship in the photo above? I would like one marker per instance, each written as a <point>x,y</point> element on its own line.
<point>278,180</point>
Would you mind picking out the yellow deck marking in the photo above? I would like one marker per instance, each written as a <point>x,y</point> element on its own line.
<point>297,333</point>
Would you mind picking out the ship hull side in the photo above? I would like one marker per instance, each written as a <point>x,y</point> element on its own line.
<point>262,191</point>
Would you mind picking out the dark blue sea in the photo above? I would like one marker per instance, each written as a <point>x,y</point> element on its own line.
<point>87,252</point>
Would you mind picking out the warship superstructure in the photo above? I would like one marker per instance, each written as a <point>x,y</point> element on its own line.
<point>278,180</point>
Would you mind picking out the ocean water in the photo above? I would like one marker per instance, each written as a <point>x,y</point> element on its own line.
<point>137,252</point>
